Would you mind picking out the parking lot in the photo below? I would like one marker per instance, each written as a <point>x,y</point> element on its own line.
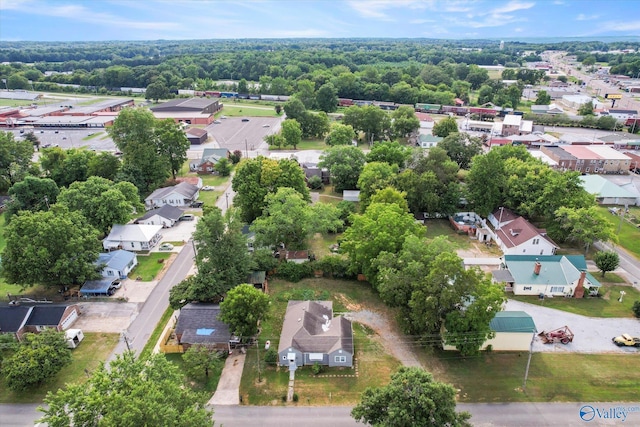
<point>66,138</point>
<point>234,134</point>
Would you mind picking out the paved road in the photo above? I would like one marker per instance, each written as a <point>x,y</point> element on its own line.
<point>140,330</point>
<point>628,262</point>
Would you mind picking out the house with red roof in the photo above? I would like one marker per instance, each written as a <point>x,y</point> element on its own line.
<point>520,237</point>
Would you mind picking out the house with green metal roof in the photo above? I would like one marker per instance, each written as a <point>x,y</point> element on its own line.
<point>608,193</point>
<point>549,275</point>
<point>513,331</point>
<point>428,141</point>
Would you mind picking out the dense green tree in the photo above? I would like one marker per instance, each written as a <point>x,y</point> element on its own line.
<point>477,76</point>
<point>222,259</point>
<point>390,152</point>
<point>145,163</point>
<point>314,125</point>
<point>586,109</point>
<point>255,178</point>
<point>223,167</point>
<point>290,220</point>
<point>340,134</point>
<point>157,90</point>
<point>243,309</point>
<point>129,392</point>
<point>66,166</point>
<point>383,227</point>
<point>607,261</point>
<point>292,133</point>
<point>15,159</point>
<point>275,141</point>
<point>38,358</point>
<point>306,94</point>
<point>486,182</point>
<point>467,327</point>
<point>294,108</point>
<point>102,202</point>
<point>585,226</point>
<point>461,148</point>
<point>445,127</point>
<point>54,248</point>
<point>412,397</point>
<point>33,139</point>
<point>104,165</point>
<point>172,144</point>
<point>404,121</point>
<point>543,98</point>
<point>31,194</point>
<point>370,120</point>
<point>327,98</point>
<point>199,360</point>
<point>375,176</point>
<point>345,164</point>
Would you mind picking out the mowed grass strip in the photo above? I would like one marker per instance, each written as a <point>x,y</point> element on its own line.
<point>95,348</point>
<point>149,265</point>
<point>628,234</point>
<point>241,111</point>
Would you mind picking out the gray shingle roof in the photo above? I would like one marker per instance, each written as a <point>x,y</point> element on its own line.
<point>117,260</point>
<point>166,211</point>
<point>184,188</point>
<point>199,324</point>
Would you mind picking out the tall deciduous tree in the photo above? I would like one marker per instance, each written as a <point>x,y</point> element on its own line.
<point>243,308</point>
<point>104,165</point>
<point>102,202</point>
<point>52,248</point>
<point>345,164</point>
<point>375,176</point>
<point>585,226</point>
<point>38,358</point>
<point>292,133</point>
<point>371,120</point>
<point>255,178</point>
<point>607,261</point>
<point>340,134</point>
<point>382,228</point>
<point>445,127</point>
<point>199,360</point>
<point>15,158</point>
<point>221,258</point>
<point>327,98</point>
<point>145,164</point>
<point>412,398</point>
<point>390,152</point>
<point>543,98</point>
<point>404,121</point>
<point>157,90</point>
<point>172,144</point>
<point>32,194</point>
<point>461,148</point>
<point>130,392</point>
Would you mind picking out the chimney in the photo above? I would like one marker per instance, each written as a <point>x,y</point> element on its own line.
<point>536,268</point>
<point>579,292</point>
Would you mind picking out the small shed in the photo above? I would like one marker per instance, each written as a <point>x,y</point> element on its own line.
<point>351,195</point>
<point>197,136</point>
<point>99,287</point>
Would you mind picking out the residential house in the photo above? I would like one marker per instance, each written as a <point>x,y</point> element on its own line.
<point>512,124</point>
<point>193,180</point>
<point>179,195</point>
<point>166,216</point>
<point>210,157</point>
<point>523,238</point>
<point>311,334</point>
<point>197,136</point>
<point>312,169</point>
<point>546,109</point>
<point>133,237</point>
<point>501,217</point>
<point>426,121</point>
<point>598,159</point>
<point>548,275</point>
<point>117,264</point>
<point>514,331</point>
<point>606,192</point>
<point>199,324</point>
<point>20,319</point>
<point>192,111</point>
<point>428,141</point>
<point>562,158</point>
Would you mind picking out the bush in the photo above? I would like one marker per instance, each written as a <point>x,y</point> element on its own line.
<point>295,397</point>
<point>316,368</point>
<point>294,272</point>
<point>636,309</point>
<point>315,183</point>
<point>334,266</point>
<point>271,356</point>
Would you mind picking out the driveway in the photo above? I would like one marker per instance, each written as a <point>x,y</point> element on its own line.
<point>106,316</point>
<point>228,390</point>
<point>592,334</point>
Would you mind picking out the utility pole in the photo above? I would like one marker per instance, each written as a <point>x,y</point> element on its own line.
<point>526,372</point>
<point>246,149</point>
<point>227,196</point>
<point>258,355</point>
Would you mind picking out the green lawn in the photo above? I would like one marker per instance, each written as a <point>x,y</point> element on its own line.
<point>629,235</point>
<point>320,245</point>
<point>149,266</point>
<point>499,377</point>
<point>312,144</point>
<point>95,135</point>
<point>605,306</point>
<point>95,347</point>
<point>231,110</point>
<point>206,386</point>
<point>155,335</point>
<point>442,227</point>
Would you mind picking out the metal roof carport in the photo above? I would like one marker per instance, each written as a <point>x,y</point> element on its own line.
<point>97,287</point>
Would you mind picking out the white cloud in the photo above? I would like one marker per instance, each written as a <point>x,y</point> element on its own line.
<point>421,21</point>
<point>583,17</point>
<point>512,6</point>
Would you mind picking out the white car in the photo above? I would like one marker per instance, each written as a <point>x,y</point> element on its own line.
<point>265,126</point>
<point>166,247</point>
<point>208,188</point>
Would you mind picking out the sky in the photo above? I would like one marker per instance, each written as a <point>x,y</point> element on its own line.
<point>94,20</point>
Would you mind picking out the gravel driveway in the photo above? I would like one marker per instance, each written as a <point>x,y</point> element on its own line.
<point>592,334</point>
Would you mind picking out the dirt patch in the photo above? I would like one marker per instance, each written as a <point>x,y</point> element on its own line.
<point>348,304</point>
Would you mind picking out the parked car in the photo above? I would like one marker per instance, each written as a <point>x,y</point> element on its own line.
<point>223,117</point>
<point>217,122</point>
<point>245,120</point>
<point>166,247</point>
<point>186,217</point>
<point>208,188</point>
<point>265,126</point>
<point>116,285</point>
<point>196,204</point>
<point>626,340</point>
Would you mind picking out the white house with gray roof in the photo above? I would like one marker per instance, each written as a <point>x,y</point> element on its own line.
<point>117,263</point>
<point>179,195</point>
<point>133,237</point>
<point>311,334</point>
<point>166,216</point>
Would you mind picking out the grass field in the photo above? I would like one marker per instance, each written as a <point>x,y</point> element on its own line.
<point>95,135</point>
<point>149,266</point>
<point>155,335</point>
<point>441,227</point>
<point>231,110</point>
<point>629,235</point>
<point>206,386</point>
<point>312,144</point>
<point>605,306</point>
<point>95,347</point>
<point>320,245</point>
